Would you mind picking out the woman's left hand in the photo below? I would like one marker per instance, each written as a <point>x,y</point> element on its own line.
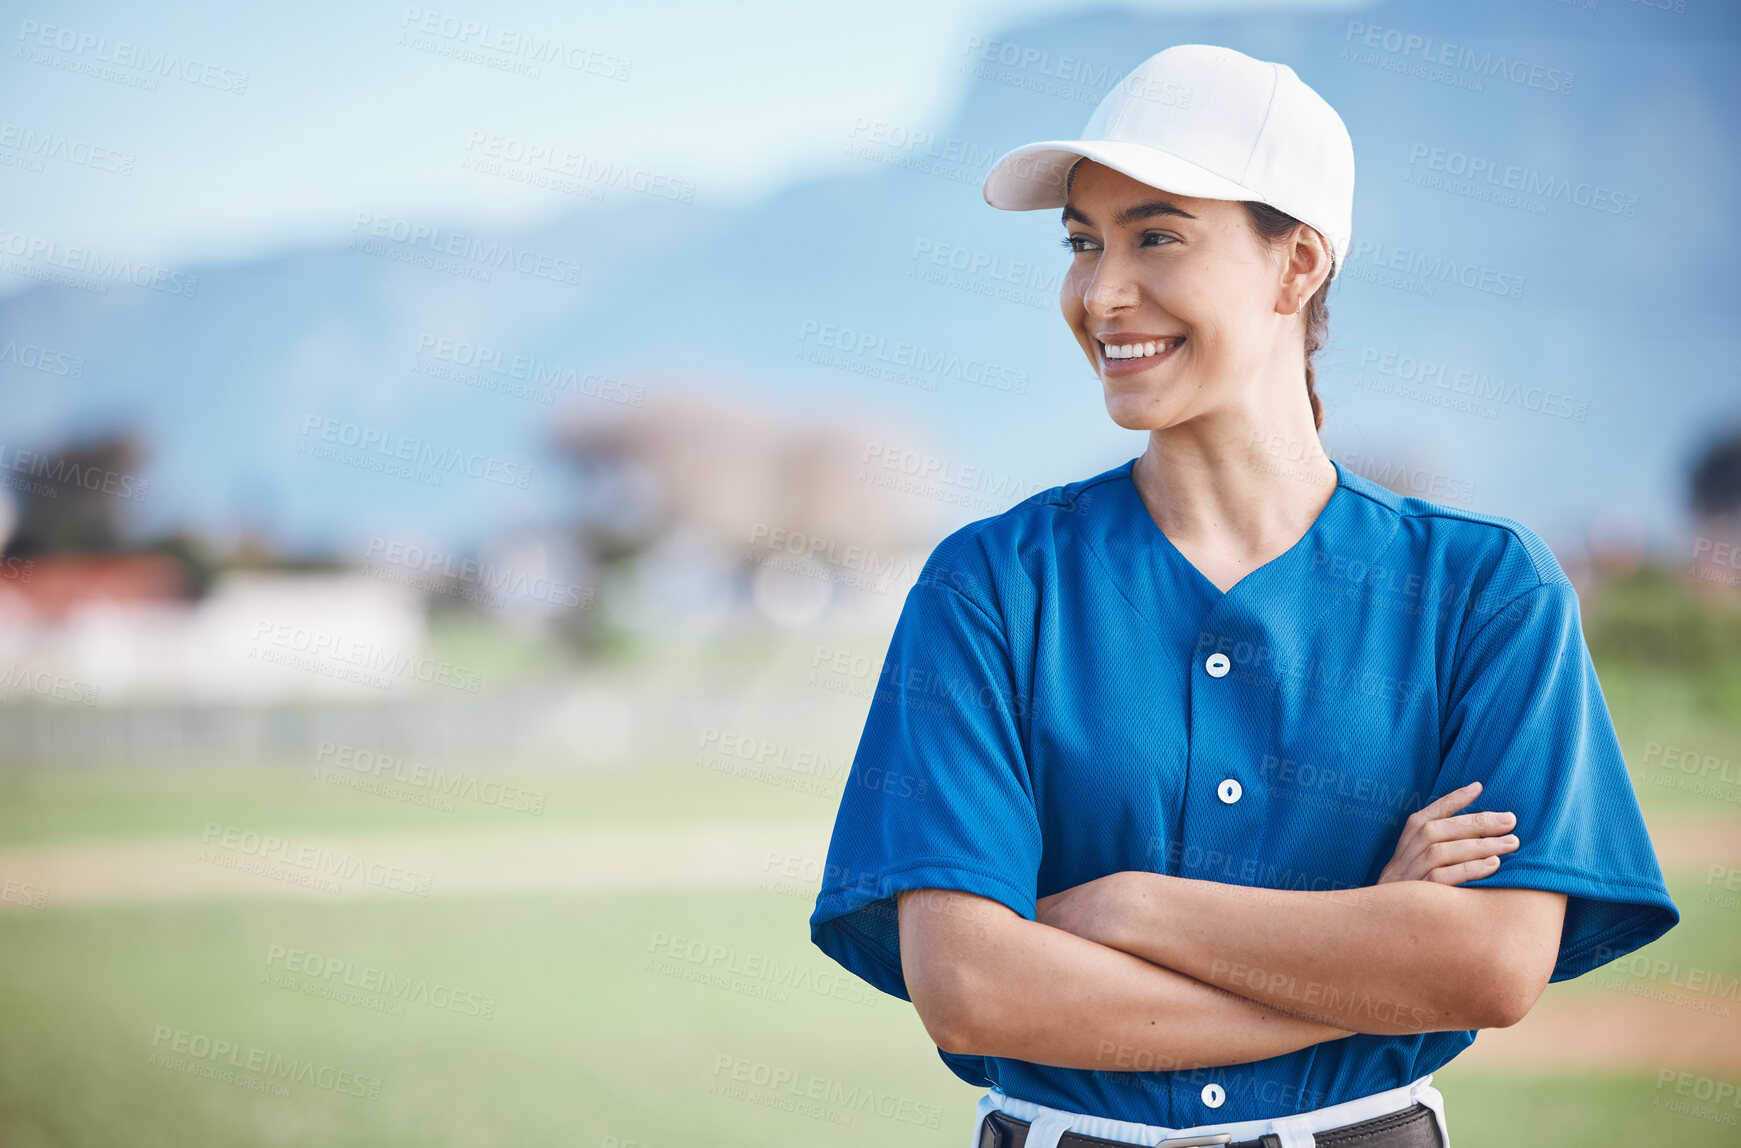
<point>1099,910</point>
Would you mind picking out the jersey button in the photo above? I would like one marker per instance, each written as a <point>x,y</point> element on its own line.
<point>1217,665</point>
<point>1229,792</point>
<point>1213,1096</point>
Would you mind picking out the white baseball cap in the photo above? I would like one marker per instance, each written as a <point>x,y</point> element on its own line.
<point>1209,122</point>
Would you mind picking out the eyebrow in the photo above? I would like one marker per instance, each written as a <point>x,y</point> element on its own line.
<point>1130,215</point>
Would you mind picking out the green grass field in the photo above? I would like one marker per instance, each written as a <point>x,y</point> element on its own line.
<point>583,1040</point>
<point>591,1033</point>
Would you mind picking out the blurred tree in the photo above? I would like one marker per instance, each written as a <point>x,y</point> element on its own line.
<point>75,500</point>
<point>70,499</point>
<point>1715,482</point>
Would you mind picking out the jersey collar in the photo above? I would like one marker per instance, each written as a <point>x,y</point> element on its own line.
<point>1296,589</point>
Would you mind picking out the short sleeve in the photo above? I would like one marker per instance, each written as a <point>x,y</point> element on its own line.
<point>939,794</point>
<point>1525,716</point>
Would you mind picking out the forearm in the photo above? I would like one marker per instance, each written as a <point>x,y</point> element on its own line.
<point>1402,957</point>
<point>1032,992</point>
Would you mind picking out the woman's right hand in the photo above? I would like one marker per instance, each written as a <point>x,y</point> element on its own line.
<point>1436,846</point>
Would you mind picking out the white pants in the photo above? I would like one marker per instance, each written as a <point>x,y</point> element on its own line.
<point>1047,1124</point>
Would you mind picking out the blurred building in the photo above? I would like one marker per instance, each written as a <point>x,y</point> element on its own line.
<point>115,628</point>
<point>712,509</point>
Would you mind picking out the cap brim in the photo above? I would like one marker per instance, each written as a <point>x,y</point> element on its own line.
<point>1032,176</point>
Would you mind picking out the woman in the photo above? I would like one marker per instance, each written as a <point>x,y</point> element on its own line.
<point>1161,814</point>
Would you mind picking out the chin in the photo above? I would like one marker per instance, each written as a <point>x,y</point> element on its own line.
<point>1140,412</point>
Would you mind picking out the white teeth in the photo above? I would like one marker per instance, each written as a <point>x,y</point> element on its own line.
<point>1135,350</point>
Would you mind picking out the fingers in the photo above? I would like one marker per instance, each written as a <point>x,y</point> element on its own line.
<point>1445,854</point>
<point>1487,823</point>
<point>1467,871</point>
<point>1469,858</point>
<point>1450,802</point>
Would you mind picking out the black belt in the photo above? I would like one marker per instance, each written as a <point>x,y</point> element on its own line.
<point>1414,1127</point>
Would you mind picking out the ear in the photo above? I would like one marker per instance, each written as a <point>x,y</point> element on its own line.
<point>1305,266</point>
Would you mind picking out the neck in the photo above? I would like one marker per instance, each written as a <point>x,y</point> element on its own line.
<point>1243,486</point>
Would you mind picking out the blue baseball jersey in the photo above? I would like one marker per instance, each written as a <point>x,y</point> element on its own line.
<point>1065,696</point>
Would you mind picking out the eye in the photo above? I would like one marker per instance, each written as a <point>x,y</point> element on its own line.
<point>1069,242</point>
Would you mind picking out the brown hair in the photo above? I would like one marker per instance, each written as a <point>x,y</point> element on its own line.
<point>1272,223</point>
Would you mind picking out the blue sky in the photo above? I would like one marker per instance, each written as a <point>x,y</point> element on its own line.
<point>791,129</point>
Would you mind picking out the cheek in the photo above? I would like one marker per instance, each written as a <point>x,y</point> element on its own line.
<point>1070,298</point>
<point>1075,314</point>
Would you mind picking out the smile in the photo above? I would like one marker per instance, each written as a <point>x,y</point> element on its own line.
<point>1152,349</point>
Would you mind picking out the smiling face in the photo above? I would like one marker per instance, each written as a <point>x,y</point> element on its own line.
<point>1182,308</point>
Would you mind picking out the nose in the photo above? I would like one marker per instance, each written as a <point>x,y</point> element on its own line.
<point>1111,285</point>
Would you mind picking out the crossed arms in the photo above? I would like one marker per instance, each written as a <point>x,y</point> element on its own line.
<point>1144,971</point>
